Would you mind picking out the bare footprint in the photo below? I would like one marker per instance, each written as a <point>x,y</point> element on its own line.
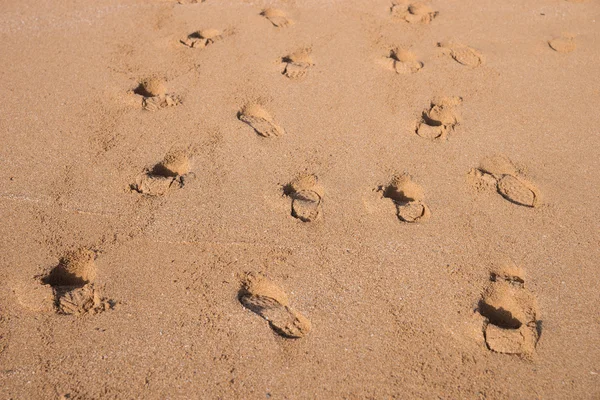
<point>440,119</point>
<point>170,174</point>
<point>408,197</point>
<point>500,172</point>
<point>260,120</point>
<point>296,65</point>
<point>260,295</point>
<point>72,281</point>
<point>563,44</point>
<point>462,54</point>
<point>402,61</point>
<point>277,17</point>
<point>413,12</point>
<point>511,315</point>
<point>203,38</point>
<point>154,94</point>
<point>306,195</point>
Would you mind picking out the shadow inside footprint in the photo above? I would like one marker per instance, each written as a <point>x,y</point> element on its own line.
<point>263,297</point>
<point>306,197</point>
<point>170,174</point>
<point>511,324</point>
<point>408,197</point>
<point>72,281</point>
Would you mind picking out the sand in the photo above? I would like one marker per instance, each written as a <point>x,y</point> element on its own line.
<point>299,199</point>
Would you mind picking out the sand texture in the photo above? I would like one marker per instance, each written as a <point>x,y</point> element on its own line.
<point>300,199</point>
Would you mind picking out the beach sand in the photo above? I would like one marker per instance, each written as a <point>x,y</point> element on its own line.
<point>299,199</point>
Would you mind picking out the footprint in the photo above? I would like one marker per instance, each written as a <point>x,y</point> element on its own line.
<point>260,120</point>
<point>203,38</point>
<point>462,54</point>
<point>440,119</point>
<point>260,295</point>
<point>72,281</point>
<point>408,197</point>
<point>170,174</point>
<point>563,44</point>
<point>154,94</point>
<point>276,17</point>
<point>402,61</point>
<point>413,12</point>
<point>296,65</point>
<point>191,1</point>
<point>499,172</point>
<point>306,197</point>
<point>511,316</point>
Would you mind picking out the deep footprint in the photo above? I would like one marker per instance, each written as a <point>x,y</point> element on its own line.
<point>170,174</point>
<point>154,94</point>
<point>413,12</point>
<point>260,295</point>
<point>306,197</point>
<point>297,64</point>
<point>277,17</point>
<point>500,172</point>
<point>260,120</point>
<point>402,62</point>
<point>511,316</point>
<point>462,54</point>
<point>203,38</point>
<point>408,197</point>
<point>72,281</point>
<point>440,119</point>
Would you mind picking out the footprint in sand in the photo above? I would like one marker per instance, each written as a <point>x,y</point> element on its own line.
<point>499,172</point>
<point>511,315</point>
<point>72,281</point>
<point>563,44</point>
<point>170,174</point>
<point>154,94</point>
<point>276,17</point>
<point>402,61</point>
<point>408,197</point>
<point>462,54</point>
<point>440,119</point>
<point>262,296</point>
<point>203,38</point>
<point>413,12</point>
<point>296,65</point>
<point>306,195</point>
<point>260,120</point>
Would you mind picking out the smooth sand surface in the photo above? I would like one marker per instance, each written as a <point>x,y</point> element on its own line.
<point>299,199</point>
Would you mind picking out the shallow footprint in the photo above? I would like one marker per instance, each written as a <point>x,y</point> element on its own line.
<point>260,120</point>
<point>500,172</point>
<point>296,65</point>
<point>462,54</point>
<point>413,12</point>
<point>169,174</point>
<point>511,316</point>
<point>402,61</point>
<point>154,94</point>
<point>262,296</point>
<point>564,44</point>
<point>408,197</point>
<point>276,17</point>
<point>72,281</point>
<point>306,197</point>
<point>440,119</point>
<point>203,38</point>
